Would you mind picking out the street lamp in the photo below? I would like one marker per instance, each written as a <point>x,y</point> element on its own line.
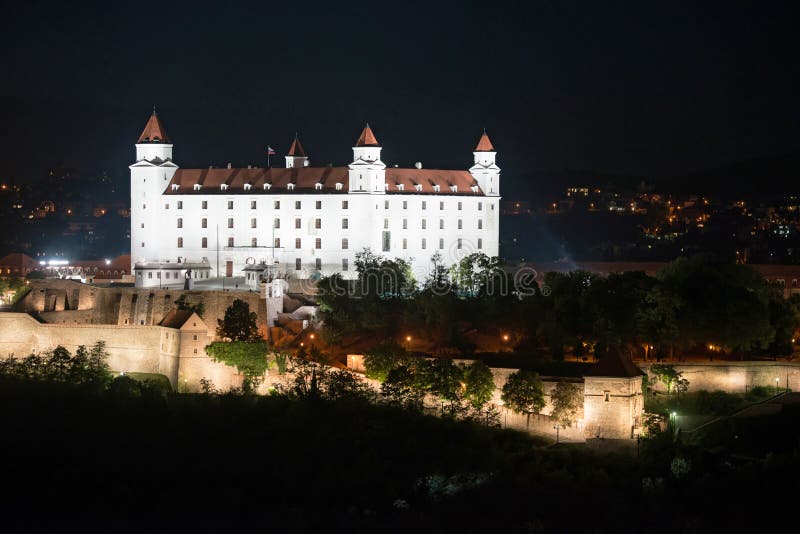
<point>776,384</point>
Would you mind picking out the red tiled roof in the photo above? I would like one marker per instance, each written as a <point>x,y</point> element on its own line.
<point>296,149</point>
<point>175,318</point>
<point>484,145</point>
<point>367,138</point>
<point>154,131</point>
<point>305,180</point>
<point>615,364</point>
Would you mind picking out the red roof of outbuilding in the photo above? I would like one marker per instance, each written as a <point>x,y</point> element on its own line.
<point>154,131</point>
<point>484,145</point>
<point>367,138</point>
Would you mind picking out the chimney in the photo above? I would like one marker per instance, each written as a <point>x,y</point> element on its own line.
<point>229,165</point>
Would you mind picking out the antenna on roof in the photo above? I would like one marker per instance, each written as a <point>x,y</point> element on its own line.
<point>154,109</point>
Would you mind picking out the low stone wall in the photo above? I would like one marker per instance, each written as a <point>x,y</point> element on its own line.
<point>734,377</point>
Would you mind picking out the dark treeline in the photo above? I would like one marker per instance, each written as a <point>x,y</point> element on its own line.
<point>694,305</point>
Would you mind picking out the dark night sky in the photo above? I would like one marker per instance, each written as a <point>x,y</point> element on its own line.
<point>633,87</point>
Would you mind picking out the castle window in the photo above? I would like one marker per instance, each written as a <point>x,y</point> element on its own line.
<point>195,350</point>
<point>387,241</point>
<point>253,222</point>
<point>277,242</point>
<point>345,243</point>
<point>424,204</point>
<point>491,206</point>
<point>459,204</point>
<point>424,243</point>
<point>436,188</point>
<point>276,223</point>
<point>180,223</point>
<point>267,186</point>
<point>297,264</point>
<point>318,264</point>
<point>230,203</point>
<point>454,188</point>
<point>203,223</point>
<point>424,224</point>
<point>480,224</point>
<point>254,242</point>
<point>175,187</point>
<point>338,186</point>
<point>223,187</point>
<point>142,244</point>
<point>298,204</point>
<point>319,204</point>
<point>205,205</point>
<point>345,224</point>
<point>459,224</point>
<point>386,224</point>
<point>194,337</point>
<point>180,204</point>
<point>247,187</point>
<point>386,204</point>
<point>345,204</point>
<point>230,222</point>
<point>180,242</point>
<point>441,224</point>
<point>204,243</point>
<point>317,223</point>
<point>607,395</point>
<point>277,204</point>
<point>230,241</point>
<point>144,206</point>
<point>166,206</point>
<point>405,204</point>
<point>441,244</point>
<point>474,188</point>
<point>297,223</point>
<point>252,204</point>
<point>318,186</point>
<point>297,243</point>
<point>405,224</point>
<point>418,187</point>
<point>345,264</point>
<point>150,275</point>
<point>441,205</point>
<point>459,243</point>
<point>142,225</point>
<point>197,187</point>
<point>480,243</point>
<point>405,243</point>
<point>480,206</point>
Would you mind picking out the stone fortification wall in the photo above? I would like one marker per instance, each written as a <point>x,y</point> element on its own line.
<point>735,377</point>
<point>132,349</point>
<point>127,306</point>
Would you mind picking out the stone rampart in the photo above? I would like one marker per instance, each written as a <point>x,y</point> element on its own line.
<point>734,377</point>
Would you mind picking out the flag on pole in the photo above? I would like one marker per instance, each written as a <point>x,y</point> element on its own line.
<point>270,151</point>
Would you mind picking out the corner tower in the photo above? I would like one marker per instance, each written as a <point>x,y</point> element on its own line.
<point>485,170</point>
<point>150,175</point>
<point>367,172</point>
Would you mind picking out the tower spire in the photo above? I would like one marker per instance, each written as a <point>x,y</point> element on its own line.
<point>367,138</point>
<point>154,131</point>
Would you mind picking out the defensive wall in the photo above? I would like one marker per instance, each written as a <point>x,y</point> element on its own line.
<point>734,377</point>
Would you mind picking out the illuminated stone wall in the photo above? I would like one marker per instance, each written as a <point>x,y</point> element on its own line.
<point>735,377</point>
<point>613,407</point>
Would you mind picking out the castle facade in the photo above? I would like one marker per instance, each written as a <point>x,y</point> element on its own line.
<point>300,220</point>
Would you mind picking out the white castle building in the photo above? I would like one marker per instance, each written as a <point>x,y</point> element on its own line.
<point>303,221</point>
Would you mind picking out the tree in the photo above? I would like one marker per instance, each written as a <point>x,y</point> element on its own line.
<point>239,323</point>
<point>670,377</point>
<point>249,357</point>
<point>382,358</point>
<point>523,393</point>
<point>566,400</point>
<point>400,389</point>
<point>478,384</point>
<point>199,307</point>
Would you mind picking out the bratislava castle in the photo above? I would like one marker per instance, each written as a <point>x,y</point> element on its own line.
<point>303,221</point>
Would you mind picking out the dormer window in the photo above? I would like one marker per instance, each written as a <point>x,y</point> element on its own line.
<point>223,187</point>
<point>197,187</point>
<point>247,187</point>
<point>436,188</point>
<point>454,188</point>
<point>400,187</point>
<point>175,187</point>
<point>418,187</point>
<point>267,186</point>
<point>474,188</point>
<point>385,187</point>
<point>339,186</point>
<point>290,187</point>
<point>318,186</point>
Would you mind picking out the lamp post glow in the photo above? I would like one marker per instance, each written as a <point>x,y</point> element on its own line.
<point>776,384</point>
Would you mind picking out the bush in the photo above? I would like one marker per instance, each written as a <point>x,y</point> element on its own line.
<point>382,358</point>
